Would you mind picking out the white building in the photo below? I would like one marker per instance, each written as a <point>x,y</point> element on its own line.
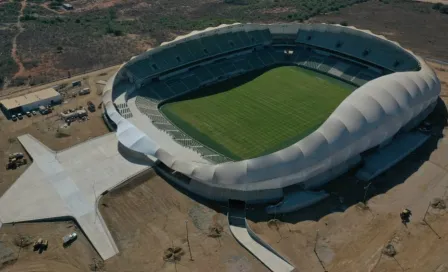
<point>30,101</point>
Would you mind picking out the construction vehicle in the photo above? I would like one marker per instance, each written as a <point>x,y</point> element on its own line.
<point>91,106</point>
<point>13,163</point>
<point>69,238</point>
<point>44,245</point>
<point>405,216</point>
<point>37,244</point>
<point>40,245</point>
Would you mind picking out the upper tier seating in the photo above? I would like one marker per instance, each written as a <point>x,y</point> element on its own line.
<point>181,53</point>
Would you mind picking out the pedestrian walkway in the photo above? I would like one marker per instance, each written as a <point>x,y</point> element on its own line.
<point>238,227</point>
<point>68,184</point>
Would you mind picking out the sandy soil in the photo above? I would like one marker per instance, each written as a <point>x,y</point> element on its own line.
<point>149,216</point>
<point>75,258</point>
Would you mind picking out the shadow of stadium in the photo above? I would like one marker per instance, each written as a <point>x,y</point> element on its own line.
<point>352,191</point>
<point>221,86</point>
<point>133,156</point>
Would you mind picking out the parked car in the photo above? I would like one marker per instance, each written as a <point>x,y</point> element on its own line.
<point>14,118</point>
<point>20,116</point>
<point>43,110</point>
<point>34,112</point>
<point>28,114</point>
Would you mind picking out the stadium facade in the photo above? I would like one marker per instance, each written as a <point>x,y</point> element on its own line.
<point>396,91</point>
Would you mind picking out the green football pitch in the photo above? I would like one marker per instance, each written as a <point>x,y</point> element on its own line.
<point>258,113</point>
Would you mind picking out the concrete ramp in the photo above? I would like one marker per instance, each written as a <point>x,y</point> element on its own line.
<point>243,234</point>
<point>68,184</point>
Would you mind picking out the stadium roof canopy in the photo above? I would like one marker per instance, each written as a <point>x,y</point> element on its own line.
<point>370,116</point>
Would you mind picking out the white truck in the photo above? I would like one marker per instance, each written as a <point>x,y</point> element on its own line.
<point>69,238</point>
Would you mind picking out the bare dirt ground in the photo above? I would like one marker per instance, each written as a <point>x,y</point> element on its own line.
<point>148,216</point>
<point>20,28</point>
<point>351,236</point>
<point>75,258</point>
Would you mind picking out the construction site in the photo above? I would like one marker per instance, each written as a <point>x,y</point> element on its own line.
<point>75,195</point>
<point>159,227</point>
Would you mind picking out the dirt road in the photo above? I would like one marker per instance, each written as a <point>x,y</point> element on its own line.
<point>29,89</point>
<point>20,29</point>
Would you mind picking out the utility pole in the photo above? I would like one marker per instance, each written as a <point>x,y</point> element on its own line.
<point>188,240</point>
<point>365,193</point>
<point>427,224</point>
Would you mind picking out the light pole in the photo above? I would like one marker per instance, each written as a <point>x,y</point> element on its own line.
<point>365,193</point>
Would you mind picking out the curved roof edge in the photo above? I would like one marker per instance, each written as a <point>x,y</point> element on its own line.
<point>370,115</point>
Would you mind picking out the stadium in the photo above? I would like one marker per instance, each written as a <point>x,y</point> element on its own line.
<point>253,112</point>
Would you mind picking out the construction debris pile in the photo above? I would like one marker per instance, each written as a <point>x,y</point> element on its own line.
<point>173,254</point>
<point>96,265</point>
<point>215,230</point>
<point>389,250</point>
<point>274,224</point>
<point>438,203</point>
<point>63,131</point>
<point>23,241</point>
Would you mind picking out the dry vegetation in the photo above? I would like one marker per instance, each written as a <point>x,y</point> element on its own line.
<point>103,33</point>
<point>414,25</point>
